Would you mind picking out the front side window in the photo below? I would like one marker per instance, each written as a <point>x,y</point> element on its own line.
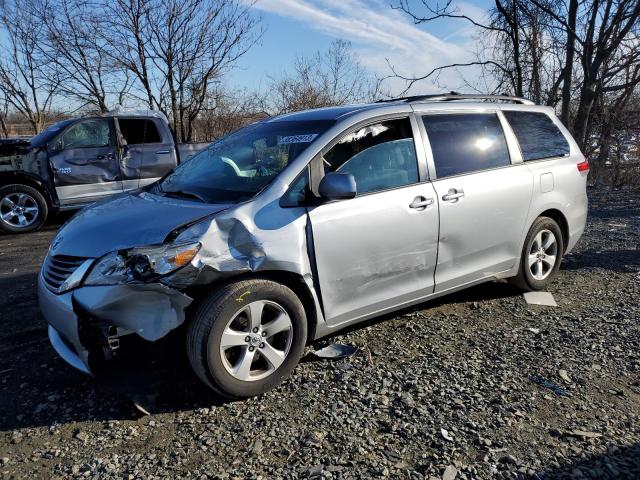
<point>91,133</point>
<point>139,130</point>
<point>463,143</point>
<point>537,135</point>
<point>237,167</point>
<point>379,156</point>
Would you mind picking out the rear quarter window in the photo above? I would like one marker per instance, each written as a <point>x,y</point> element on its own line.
<point>537,135</point>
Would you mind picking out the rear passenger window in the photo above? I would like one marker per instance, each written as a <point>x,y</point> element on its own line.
<point>139,130</point>
<point>379,156</point>
<point>537,135</point>
<point>463,143</point>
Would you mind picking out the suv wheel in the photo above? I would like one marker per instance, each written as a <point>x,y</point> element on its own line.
<point>22,209</point>
<point>247,337</point>
<point>541,255</point>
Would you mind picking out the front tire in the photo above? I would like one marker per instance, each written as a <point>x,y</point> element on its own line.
<point>247,337</point>
<point>22,209</point>
<point>541,255</point>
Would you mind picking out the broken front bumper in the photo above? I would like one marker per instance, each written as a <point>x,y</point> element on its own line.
<point>63,326</point>
<point>80,317</point>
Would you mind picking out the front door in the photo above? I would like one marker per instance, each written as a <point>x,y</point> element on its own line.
<point>150,152</point>
<point>377,250</point>
<point>484,199</point>
<point>84,159</point>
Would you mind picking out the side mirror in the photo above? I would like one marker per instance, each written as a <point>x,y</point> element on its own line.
<point>337,186</point>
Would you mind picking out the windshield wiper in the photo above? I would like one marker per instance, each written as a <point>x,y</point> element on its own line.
<point>182,194</point>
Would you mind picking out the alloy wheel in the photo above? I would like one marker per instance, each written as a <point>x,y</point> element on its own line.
<point>256,340</point>
<point>543,254</point>
<point>19,210</point>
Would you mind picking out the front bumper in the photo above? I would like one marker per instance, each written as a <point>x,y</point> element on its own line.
<point>67,352</point>
<point>149,310</point>
<point>63,327</point>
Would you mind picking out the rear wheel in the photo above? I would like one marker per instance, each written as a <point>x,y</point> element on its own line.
<point>22,209</point>
<point>247,337</point>
<point>541,255</point>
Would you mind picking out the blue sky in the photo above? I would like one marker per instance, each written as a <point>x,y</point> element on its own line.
<point>301,27</point>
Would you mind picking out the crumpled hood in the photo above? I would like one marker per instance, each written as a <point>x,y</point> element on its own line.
<point>128,220</point>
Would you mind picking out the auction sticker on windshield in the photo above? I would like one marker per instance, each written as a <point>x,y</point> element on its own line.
<point>297,139</point>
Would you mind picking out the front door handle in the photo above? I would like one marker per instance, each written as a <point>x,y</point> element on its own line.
<point>420,203</point>
<point>453,195</point>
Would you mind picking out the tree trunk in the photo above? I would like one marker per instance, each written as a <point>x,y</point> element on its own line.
<point>581,124</point>
<point>567,74</point>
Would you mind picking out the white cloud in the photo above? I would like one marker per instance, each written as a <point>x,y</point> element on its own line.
<point>378,33</point>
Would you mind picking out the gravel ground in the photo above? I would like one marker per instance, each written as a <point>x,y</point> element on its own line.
<point>476,385</point>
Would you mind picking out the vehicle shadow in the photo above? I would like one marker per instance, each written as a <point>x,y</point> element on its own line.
<point>40,389</point>
<point>37,388</point>
<point>482,292</point>
<point>617,463</point>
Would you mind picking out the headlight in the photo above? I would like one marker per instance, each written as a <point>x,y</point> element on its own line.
<point>142,264</point>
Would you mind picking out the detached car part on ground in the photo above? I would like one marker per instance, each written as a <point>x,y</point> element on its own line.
<point>78,161</point>
<point>298,226</point>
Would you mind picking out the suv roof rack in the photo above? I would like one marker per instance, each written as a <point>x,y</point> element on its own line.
<point>452,96</point>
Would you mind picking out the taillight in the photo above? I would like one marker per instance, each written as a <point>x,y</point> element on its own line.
<point>583,166</point>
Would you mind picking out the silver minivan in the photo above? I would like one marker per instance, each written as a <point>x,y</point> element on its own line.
<point>297,226</point>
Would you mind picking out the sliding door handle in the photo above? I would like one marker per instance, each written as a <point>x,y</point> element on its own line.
<point>453,195</point>
<point>420,203</point>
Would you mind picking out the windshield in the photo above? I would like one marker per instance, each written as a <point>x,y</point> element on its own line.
<point>47,134</point>
<point>238,166</point>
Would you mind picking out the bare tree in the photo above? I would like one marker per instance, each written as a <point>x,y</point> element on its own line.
<point>176,50</point>
<point>23,81</point>
<point>75,47</point>
<point>334,77</point>
<point>225,111</point>
<point>126,33</point>
<point>4,113</point>
<point>611,33</point>
<point>554,52</point>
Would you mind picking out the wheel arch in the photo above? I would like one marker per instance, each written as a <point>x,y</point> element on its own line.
<point>292,280</point>
<point>562,222</point>
<point>33,181</point>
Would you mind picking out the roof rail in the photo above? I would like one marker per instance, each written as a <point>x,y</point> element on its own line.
<point>452,96</point>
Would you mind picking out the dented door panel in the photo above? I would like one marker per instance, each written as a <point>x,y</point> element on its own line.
<point>83,170</point>
<point>374,251</point>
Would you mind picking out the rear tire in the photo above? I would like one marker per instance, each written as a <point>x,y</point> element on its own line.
<point>22,209</point>
<point>247,337</point>
<point>541,255</point>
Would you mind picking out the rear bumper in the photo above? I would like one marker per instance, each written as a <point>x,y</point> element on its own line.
<point>577,220</point>
<point>63,327</point>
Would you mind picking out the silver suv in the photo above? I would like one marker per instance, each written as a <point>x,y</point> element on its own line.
<point>298,226</point>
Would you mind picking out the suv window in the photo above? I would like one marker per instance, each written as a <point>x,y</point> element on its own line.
<point>379,156</point>
<point>537,135</point>
<point>463,143</point>
<point>95,132</point>
<point>139,130</point>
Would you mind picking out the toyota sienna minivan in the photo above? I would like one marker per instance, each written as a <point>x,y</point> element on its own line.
<point>300,225</point>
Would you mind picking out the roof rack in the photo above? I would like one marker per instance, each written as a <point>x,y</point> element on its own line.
<point>452,96</point>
